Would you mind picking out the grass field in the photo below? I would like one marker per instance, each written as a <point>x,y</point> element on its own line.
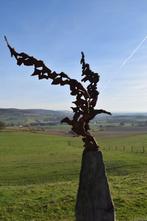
<point>39,176</point>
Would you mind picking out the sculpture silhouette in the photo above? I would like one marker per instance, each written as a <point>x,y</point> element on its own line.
<point>93,199</point>
<point>86,98</point>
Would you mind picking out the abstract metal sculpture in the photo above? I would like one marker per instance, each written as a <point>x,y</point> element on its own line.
<point>86,98</point>
<point>93,199</point>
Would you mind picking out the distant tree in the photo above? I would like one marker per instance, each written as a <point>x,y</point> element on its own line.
<point>2,125</point>
<point>101,127</point>
<point>122,123</point>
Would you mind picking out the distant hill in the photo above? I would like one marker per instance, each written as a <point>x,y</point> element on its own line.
<point>31,116</point>
<point>35,117</point>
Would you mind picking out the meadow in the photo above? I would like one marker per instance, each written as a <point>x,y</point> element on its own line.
<point>39,175</point>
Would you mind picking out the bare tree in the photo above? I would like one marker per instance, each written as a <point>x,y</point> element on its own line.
<point>93,199</point>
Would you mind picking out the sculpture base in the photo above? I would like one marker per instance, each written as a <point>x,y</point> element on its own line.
<point>93,199</point>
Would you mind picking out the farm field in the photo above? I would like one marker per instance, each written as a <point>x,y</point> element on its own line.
<point>39,175</point>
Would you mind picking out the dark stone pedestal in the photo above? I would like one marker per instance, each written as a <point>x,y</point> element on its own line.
<point>93,199</point>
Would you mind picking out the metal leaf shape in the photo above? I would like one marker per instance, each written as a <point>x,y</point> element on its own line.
<point>56,81</point>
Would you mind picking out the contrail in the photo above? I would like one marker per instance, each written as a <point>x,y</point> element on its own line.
<point>126,61</point>
<point>133,53</point>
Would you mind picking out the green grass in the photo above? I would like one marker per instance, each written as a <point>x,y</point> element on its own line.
<point>39,176</point>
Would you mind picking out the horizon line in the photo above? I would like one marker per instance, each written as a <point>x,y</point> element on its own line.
<point>120,112</point>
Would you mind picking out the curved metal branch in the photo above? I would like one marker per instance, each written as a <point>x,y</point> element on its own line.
<point>85,98</point>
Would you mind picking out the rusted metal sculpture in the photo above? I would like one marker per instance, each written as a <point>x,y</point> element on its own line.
<point>93,199</point>
<point>86,98</point>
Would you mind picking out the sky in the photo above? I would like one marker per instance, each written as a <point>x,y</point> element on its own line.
<point>112,34</point>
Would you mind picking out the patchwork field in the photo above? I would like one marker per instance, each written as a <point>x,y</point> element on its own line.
<point>39,175</point>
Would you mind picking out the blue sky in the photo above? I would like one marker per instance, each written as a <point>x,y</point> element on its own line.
<point>112,33</point>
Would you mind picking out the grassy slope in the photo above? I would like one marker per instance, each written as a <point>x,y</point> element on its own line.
<point>39,174</point>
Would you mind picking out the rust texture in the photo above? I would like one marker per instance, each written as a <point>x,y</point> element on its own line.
<point>86,97</point>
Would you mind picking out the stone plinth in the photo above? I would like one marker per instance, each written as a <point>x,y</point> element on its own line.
<point>93,199</point>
